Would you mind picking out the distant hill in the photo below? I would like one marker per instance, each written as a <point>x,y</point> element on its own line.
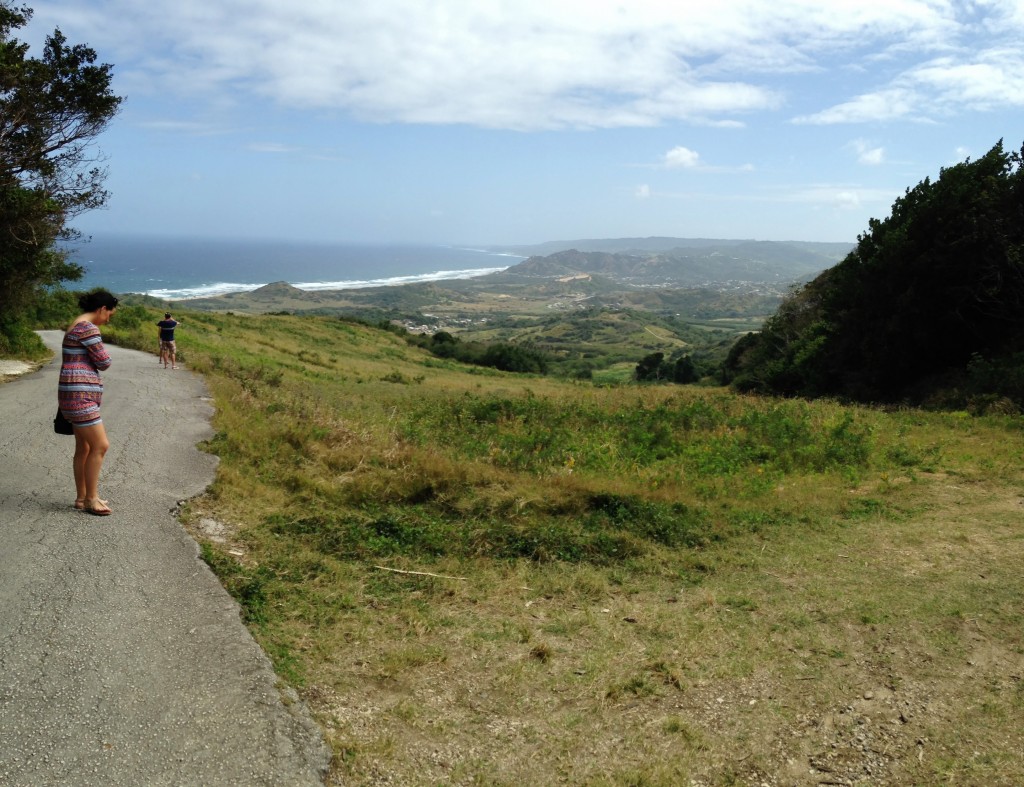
<point>658,244</point>
<point>618,245</point>
<point>708,264</point>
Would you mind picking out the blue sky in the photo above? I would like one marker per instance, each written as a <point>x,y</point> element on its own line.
<point>523,121</point>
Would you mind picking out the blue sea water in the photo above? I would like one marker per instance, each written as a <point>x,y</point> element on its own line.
<point>180,268</point>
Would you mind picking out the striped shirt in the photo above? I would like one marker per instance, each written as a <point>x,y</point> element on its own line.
<point>83,357</point>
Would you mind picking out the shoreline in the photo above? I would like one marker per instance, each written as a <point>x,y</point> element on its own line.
<point>228,288</point>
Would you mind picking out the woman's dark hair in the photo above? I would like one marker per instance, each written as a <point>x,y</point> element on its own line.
<point>91,301</point>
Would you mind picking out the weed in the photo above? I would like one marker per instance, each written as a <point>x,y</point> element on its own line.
<point>673,725</point>
<point>247,585</point>
<point>637,686</point>
<point>744,604</point>
<point>666,673</point>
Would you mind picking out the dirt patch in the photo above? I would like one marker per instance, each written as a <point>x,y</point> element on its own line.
<point>16,368</point>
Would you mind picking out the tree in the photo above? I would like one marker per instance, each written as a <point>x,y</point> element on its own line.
<point>649,368</point>
<point>684,371</point>
<point>926,290</point>
<point>51,110</point>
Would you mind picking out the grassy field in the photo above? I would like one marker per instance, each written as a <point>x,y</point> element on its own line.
<point>480,578</point>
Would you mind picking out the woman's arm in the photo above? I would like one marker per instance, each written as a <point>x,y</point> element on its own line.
<point>93,343</point>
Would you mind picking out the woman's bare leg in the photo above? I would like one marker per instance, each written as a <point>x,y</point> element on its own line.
<point>91,446</point>
<point>78,463</point>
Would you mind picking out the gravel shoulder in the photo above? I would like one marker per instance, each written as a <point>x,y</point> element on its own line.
<point>124,661</point>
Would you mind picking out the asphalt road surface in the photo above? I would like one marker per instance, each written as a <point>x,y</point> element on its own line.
<point>122,659</point>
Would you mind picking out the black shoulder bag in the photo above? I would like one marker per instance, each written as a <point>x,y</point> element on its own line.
<point>62,425</point>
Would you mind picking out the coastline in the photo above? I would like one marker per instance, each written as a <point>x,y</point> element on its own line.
<point>228,288</point>
<point>189,268</point>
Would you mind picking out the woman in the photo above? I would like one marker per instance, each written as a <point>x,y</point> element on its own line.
<point>79,393</point>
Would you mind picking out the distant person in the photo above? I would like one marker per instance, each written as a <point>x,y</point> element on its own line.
<point>168,349</point>
<point>79,392</point>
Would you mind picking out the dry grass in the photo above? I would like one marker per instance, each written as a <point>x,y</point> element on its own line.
<point>876,651</point>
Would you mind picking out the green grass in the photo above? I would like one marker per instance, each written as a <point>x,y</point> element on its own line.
<point>610,584</point>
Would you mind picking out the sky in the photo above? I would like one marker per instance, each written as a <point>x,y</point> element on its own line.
<point>485,122</point>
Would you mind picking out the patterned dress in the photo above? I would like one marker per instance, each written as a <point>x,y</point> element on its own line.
<point>80,388</point>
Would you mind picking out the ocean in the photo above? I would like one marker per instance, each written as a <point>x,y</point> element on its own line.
<point>181,268</point>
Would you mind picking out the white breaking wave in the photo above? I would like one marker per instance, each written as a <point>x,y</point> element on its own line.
<point>393,280</point>
<point>204,291</point>
<point>495,253</point>
<point>225,288</point>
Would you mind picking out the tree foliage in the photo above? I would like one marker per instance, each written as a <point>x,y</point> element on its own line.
<point>650,368</point>
<point>51,110</point>
<point>498,355</point>
<point>656,368</point>
<point>926,292</point>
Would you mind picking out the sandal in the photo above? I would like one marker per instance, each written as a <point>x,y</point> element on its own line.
<point>80,503</point>
<point>105,511</point>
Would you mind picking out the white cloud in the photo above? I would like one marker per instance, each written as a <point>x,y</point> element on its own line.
<point>534,64</point>
<point>271,147</point>
<point>189,128</point>
<point>718,123</point>
<point>892,104</point>
<point>643,191</point>
<point>871,156</point>
<point>988,79</point>
<point>993,79</point>
<point>846,200</point>
<point>682,157</point>
<point>841,197</point>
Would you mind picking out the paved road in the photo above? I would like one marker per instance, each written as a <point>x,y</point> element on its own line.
<point>122,659</point>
